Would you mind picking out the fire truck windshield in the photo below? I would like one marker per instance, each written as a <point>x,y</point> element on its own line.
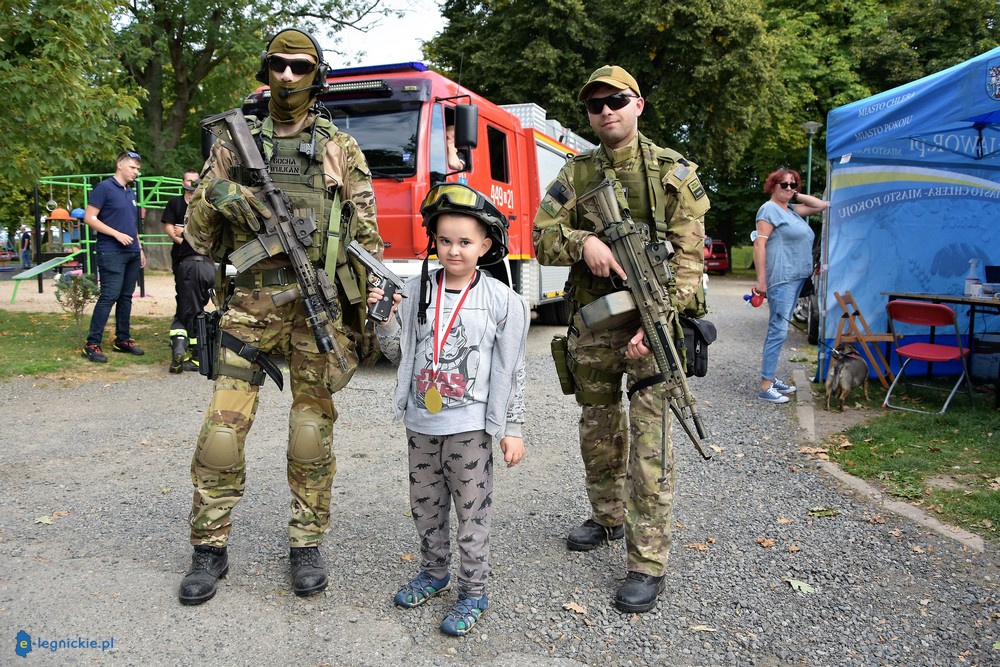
<point>386,132</point>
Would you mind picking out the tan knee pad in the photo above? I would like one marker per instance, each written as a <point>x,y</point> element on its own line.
<point>305,444</point>
<point>220,450</point>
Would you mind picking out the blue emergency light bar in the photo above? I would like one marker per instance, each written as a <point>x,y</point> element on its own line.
<point>412,66</point>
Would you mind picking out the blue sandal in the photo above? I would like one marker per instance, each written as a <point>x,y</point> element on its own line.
<point>421,589</point>
<point>464,615</point>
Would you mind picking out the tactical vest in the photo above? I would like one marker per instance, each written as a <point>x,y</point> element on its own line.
<point>645,193</point>
<point>296,167</point>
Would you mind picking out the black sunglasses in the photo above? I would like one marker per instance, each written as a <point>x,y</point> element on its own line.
<point>131,154</point>
<point>595,105</point>
<point>277,64</point>
<point>784,186</point>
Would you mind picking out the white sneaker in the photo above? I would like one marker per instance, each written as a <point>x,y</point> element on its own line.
<point>782,387</point>
<point>772,396</point>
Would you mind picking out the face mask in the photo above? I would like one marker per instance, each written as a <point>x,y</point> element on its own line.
<point>292,108</point>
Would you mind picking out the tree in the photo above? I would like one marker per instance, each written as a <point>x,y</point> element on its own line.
<point>58,111</point>
<point>197,58</point>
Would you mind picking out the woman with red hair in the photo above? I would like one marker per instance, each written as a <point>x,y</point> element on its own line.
<point>782,256</point>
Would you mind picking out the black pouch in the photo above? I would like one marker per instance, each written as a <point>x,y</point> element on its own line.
<point>698,335</point>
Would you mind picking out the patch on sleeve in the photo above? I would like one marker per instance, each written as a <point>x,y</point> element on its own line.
<point>549,206</point>
<point>559,192</point>
<point>697,191</point>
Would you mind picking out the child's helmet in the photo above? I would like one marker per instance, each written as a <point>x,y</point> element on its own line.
<point>460,198</point>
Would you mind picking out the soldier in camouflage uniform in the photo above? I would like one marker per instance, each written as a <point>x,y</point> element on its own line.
<point>324,174</point>
<point>622,453</point>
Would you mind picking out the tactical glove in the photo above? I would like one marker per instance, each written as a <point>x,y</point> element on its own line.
<point>229,199</point>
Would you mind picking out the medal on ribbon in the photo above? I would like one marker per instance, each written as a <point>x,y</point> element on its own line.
<point>433,400</point>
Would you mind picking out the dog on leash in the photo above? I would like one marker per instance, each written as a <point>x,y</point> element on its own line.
<point>847,371</point>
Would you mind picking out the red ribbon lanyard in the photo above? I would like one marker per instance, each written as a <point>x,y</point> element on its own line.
<point>440,337</point>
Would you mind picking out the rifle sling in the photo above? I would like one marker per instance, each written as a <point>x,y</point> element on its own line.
<point>644,383</point>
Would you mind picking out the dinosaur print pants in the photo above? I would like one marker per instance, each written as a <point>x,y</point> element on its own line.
<point>455,467</point>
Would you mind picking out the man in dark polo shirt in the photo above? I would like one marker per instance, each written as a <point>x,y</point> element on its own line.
<point>112,214</point>
<point>194,277</point>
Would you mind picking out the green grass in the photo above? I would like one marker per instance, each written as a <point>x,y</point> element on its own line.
<point>949,464</point>
<point>50,344</point>
<point>739,260</point>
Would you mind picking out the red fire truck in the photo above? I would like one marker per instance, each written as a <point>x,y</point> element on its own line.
<point>398,114</point>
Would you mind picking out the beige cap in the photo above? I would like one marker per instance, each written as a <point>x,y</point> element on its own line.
<point>612,75</point>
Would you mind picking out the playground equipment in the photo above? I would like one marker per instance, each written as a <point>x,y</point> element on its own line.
<point>65,240</point>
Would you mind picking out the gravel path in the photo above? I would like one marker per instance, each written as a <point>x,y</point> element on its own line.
<point>107,463</point>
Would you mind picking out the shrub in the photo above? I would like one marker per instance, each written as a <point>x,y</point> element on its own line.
<point>75,292</point>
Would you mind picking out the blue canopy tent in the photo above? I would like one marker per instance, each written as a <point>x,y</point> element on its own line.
<point>913,181</point>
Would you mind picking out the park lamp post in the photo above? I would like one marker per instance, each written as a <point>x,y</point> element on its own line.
<point>810,128</point>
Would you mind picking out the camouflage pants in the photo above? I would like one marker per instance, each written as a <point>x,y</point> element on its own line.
<point>218,469</point>
<point>622,453</point>
<point>459,468</point>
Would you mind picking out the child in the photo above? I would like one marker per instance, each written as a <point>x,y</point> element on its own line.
<point>460,383</point>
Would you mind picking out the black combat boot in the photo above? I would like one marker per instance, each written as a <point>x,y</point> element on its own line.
<point>639,592</point>
<point>592,535</point>
<point>178,349</point>
<point>208,565</point>
<point>308,571</point>
<point>190,362</point>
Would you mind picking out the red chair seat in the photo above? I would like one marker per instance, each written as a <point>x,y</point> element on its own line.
<point>932,352</point>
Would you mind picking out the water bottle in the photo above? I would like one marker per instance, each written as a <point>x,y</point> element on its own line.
<point>972,278</point>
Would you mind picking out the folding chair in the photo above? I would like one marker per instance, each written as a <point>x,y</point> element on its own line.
<point>854,329</point>
<point>930,315</point>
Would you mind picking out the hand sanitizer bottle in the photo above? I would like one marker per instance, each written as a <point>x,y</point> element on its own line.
<point>972,278</point>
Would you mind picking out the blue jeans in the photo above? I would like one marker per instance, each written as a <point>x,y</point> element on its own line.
<point>118,271</point>
<point>25,259</point>
<point>781,300</point>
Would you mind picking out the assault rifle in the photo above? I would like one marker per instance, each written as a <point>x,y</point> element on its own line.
<point>649,277</point>
<point>282,233</point>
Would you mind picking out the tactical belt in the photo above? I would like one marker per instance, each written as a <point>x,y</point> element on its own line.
<point>271,277</point>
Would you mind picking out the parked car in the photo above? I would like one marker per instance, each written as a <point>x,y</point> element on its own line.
<point>807,308</point>
<point>717,258</point>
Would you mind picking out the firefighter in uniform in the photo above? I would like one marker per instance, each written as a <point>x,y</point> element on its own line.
<point>194,277</point>
<point>622,452</point>
<point>324,174</point>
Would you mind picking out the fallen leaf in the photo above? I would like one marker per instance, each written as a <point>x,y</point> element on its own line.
<point>784,520</point>
<point>918,549</point>
<point>765,542</point>
<point>60,513</point>
<point>710,540</point>
<point>792,548</point>
<point>697,546</point>
<point>407,557</point>
<point>878,518</point>
<point>813,450</point>
<point>799,586</point>
<point>166,489</point>
<point>572,606</point>
<point>823,511</point>
<point>716,449</point>
<point>47,520</point>
<point>702,628</point>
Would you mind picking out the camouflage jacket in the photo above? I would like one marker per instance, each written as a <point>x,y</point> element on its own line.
<point>559,233</point>
<point>345,171</point>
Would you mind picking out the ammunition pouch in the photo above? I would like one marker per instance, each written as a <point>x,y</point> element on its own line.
<point>698,335</point>
<point>560,355</point>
